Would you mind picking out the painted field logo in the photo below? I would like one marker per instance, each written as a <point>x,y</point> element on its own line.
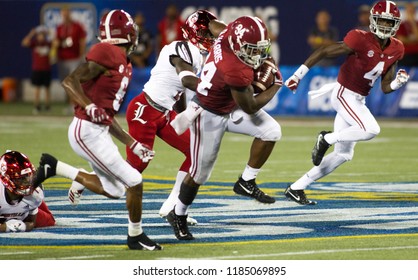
<point>342,210</point>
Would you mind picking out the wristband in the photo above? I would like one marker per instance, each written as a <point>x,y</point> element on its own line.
<point>185,73</point>
<point>394,85</point>
<point>301,72</point>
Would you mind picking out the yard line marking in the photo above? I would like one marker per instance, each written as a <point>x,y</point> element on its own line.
<point>300,253</point>
<point>15,253</point>
<point>78,257</point>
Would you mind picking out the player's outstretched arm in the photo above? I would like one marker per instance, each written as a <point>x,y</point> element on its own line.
<point>334,50</point>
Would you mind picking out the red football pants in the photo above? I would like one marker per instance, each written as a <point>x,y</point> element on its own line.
<point>44,218</point>
<point>145,122</point>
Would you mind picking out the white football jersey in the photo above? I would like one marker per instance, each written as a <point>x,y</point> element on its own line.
<point>20,210</point>
<point>164,86</point>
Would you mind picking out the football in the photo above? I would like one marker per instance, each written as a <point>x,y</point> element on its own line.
<point>264,76</point>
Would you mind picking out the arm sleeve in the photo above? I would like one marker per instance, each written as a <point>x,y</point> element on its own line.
<point>353,40</point>
<point>101,54</point>
<point>183,51</point>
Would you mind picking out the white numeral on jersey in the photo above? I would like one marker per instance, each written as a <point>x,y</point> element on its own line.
<point>375,73</point>
<point>121,93</point>
<point>206,76</point>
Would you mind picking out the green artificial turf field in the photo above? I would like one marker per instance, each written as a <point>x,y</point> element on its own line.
<point>390,158</point>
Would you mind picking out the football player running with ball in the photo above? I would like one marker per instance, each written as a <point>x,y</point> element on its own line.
<point>149,114</point>
<point>227,101</point>
<point>369,56</point>
<point>97,87</point>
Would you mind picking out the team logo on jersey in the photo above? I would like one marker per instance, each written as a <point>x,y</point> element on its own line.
<point>121,68</point>
<point>138,113</point>
<point>370,53</point>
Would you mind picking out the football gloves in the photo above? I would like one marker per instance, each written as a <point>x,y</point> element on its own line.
<point>293,82</point>
<point>142,151</point>
<point>14,225</point>
<point>96,114</point>
<point>401,79</point>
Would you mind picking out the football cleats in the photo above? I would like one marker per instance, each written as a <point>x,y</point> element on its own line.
<point>117,27</point>
<point>196,30</point>
<point>385,19</point>
<point>248,39</point>
<point>16,173</point>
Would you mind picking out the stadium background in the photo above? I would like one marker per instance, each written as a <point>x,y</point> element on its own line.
<point>290,20</point>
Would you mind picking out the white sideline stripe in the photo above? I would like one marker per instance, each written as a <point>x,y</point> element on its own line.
<point>15,253</point>
<point>302,253</point>
<point>78,257</point>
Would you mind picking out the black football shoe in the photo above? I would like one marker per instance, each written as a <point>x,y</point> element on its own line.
<point>179,224</point>
<point>298,196</point>
<point>47,168</point>
<point>320,148</point>
<point>250,189</point>
<point>142,242</point>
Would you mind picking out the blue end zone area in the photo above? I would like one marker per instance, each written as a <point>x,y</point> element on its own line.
<point>343,209</point>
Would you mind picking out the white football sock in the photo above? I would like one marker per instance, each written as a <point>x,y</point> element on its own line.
<point>249,173</point>
<point>67,170</point>
<point>134,229</point>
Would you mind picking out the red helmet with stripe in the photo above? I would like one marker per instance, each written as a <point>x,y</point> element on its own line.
<point>385,19</point>
<point>117,28</point>
<point>16,172</point>
<point>248,39</point>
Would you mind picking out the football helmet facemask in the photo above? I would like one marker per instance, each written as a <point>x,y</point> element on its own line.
<point>196,30</point>
<point>16,173</point>
<point>385,19</point>
<point>118,28</point>
<point>248,39</point>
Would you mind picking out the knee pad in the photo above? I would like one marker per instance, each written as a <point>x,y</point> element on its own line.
<point>273,134</point>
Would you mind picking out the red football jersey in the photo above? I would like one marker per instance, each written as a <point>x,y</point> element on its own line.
<point>368,62</point>
<point>221,70</point>
<point>108,90</point>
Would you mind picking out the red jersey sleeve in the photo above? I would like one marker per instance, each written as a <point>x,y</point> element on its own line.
<point>354,39</point>
<point>102,54</point>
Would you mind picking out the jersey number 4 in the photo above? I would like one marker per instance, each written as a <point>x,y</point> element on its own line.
<point>206,76</point>
<point>375,73</point>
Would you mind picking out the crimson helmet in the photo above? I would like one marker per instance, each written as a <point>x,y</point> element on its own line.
<point>248,39</point>
<point>385,19</point>
<point>196,30</point>
<point>117,28</point>
<point>16,172</point>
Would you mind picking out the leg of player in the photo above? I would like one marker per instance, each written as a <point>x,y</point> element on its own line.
<point>343,152</point>
<point>137,239</point>
<point>178,216</point>
<point>49,166</point>
<point>170,202</point>
<point>246,185</point>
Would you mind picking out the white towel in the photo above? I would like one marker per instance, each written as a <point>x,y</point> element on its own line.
<point>321,91</point>
<point>184,120</point>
